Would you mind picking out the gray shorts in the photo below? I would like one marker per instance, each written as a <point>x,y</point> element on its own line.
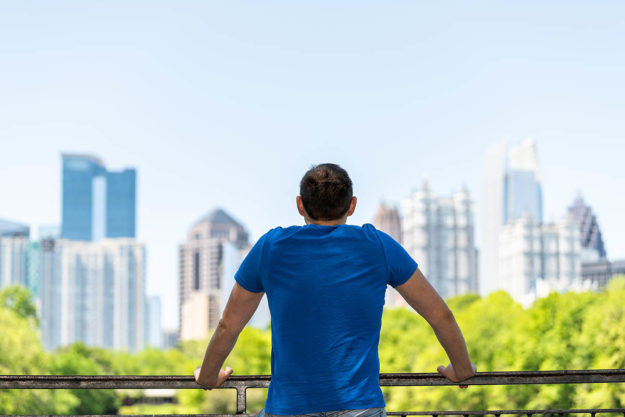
<point>365,412</point>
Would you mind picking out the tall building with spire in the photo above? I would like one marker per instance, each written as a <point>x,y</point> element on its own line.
<point>593,248</point>
<point>212,250</point>
<point>438,232</point>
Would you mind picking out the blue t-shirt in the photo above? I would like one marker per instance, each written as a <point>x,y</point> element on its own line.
<point>325,286</point>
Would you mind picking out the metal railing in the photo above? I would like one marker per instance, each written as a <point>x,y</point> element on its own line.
<point>241,383</point>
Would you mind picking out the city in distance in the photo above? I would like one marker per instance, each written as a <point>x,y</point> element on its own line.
<point>89,280</point>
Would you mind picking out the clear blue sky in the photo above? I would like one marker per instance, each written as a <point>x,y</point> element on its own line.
<point>228,103</point>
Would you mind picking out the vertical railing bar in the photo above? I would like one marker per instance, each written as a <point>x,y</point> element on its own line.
<point>241,399</point>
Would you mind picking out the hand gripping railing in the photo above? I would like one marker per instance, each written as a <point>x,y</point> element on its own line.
<point>242,382</point>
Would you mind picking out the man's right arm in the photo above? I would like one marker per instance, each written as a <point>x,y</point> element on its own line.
<point>421,296</point>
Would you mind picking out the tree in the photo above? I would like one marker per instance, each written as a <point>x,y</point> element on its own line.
<point>21,354</point>
<point>19,300</point>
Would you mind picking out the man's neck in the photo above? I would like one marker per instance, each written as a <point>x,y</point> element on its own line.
<point>336,222</point>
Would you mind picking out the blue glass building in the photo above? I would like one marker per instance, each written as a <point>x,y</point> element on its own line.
<point>120,203</point>
<point>96,203</point>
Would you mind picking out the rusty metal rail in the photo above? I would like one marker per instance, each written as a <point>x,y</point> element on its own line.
<point>242,382</point>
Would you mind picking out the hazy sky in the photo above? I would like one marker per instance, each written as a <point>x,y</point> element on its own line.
<point>228,103</point>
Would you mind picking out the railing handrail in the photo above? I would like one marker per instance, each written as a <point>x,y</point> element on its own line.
<point>262,381</point>
<point>242,382</point>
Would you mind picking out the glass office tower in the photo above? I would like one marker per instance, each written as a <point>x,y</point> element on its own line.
<point>120,203</point>
<point>96,203</point>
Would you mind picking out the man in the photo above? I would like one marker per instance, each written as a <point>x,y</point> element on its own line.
<point>325,284</point>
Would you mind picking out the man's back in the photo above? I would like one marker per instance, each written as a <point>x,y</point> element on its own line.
<point>325,286</point>
<point>325,283</point>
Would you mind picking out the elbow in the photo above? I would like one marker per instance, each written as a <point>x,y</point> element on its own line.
<point>228,327</point>
<point>443,317</point>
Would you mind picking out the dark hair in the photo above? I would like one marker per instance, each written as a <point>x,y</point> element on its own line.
<point>326,192</point>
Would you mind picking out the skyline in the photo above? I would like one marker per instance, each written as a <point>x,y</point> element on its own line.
<point>228,105</point>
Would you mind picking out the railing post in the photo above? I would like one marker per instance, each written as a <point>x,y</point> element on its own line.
<point>241,399</point>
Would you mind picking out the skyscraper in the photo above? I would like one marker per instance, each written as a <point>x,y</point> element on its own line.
<point>511,190</point>
<point>93,292</point>
<point>120,203</point>
<point>387,220</point>
<point>96,203</point>
<point>203,261</point>
<point>593,248</point>
<point>438,232</point>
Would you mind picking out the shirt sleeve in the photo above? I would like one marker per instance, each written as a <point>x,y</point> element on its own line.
<point>400,264</point>
<point>249,274</point>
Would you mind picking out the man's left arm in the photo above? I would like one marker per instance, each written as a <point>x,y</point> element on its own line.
<point>239,310</point>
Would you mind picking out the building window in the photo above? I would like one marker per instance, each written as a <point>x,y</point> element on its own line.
<point>196,271</point>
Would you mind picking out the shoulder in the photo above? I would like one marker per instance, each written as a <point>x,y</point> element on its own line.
<point>372,232</point>
<point>271,235</point>
<point>382,237</point>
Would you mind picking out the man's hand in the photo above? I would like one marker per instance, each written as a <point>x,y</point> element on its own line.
<point>450,373</point>
<point>208,385</point>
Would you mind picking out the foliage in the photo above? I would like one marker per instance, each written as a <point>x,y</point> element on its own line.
<point>19,300</point>
<point>561,331</point>
<point>77,359</point>
<point>21,354</point>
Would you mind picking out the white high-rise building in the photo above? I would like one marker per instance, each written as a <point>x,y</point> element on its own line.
<point>93,292</point>
<point>536,259</point>
<point>492,216</point>
<point>154,330</point>
<point>13,253</point>
<point>438,232</point>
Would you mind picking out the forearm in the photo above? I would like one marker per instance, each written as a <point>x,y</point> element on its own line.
<point>451,339</point>
<point>219,347</point>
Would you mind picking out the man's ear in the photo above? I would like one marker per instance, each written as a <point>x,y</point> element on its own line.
<point>352,206</point>
<point>300,206</point>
